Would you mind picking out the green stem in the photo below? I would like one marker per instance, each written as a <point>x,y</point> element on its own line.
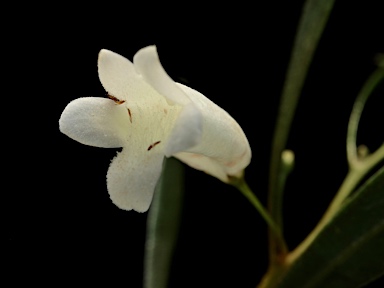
<point>243,187</point>
<point>358,107</point>
<point>353,178</point>
<point>358,167</point>
<point>287,163</point>
<point>312,23</point>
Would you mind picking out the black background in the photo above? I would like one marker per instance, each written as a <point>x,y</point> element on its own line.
<point>61,227</point>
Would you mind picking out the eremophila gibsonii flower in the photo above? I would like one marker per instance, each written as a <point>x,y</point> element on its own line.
<point>151,116</point>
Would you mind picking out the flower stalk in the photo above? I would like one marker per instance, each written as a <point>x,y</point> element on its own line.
<point>243,187</point>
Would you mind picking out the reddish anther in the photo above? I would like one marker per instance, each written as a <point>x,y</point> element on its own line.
<point>130,115</point>
<point>117,101</point>
<point>153,145</point>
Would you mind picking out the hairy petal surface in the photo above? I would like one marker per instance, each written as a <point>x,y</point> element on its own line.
<point>95,121</point>
<point>120,79</point>
<point>132,177</point>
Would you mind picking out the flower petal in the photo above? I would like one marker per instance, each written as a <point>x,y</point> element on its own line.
<point>147,64</point>
<point>95,121</point>
<point>222,141</point>
<point>120,79</point>
<point>132,177</point>
<point>186,132</point>
<point>203,163</point>
<point>202,128</point>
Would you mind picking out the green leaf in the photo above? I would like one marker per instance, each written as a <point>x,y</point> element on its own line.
<point>312,23</point>
<point>163,225</point>
<point>349,252</point>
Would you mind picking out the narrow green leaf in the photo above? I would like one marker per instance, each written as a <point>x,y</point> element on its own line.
<point>349,252</point>
<point>163,225</point>
<point>313,20</point>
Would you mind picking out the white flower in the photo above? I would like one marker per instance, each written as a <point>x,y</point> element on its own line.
<point>151,116</point>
